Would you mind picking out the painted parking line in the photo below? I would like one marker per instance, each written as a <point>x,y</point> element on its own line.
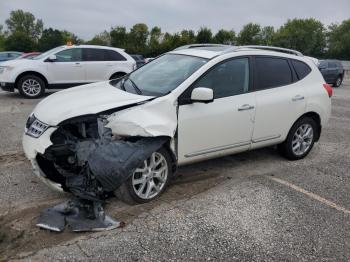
<point>310,195</point>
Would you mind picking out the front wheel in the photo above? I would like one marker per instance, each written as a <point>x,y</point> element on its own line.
<point>148,181</point>
<point>31,86</point>
<point>300,139</point>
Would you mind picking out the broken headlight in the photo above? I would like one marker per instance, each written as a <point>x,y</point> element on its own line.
<point>34,127</point>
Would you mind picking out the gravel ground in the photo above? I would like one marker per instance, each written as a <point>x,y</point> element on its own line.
<point>253,206</point>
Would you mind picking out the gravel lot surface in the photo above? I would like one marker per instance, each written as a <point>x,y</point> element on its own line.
<point>254,206</point>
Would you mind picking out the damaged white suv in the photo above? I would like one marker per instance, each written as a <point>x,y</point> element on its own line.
<point>204,101</point>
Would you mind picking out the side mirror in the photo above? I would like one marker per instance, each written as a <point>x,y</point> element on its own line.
<point>202,95</point>
<point>51,58</point>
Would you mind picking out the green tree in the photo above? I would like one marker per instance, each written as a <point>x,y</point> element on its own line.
<point>225,37</point>
<point>119,37</point>
<point>103,38</point>
<point>204,35</point>
<point>339,41</point>
<point>154,41</point>
<point>19,41</point>
<point>70,37</point>
<point>267,35</point>
<point>49,39</point>
<point>188,37</point>
<point>2,39</point>
<point>25,22</point>
<point>305,35</point>
<point>137,39</point>
<point>250,35</point>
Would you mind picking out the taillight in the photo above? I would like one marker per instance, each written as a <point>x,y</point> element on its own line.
<point>329,89</point>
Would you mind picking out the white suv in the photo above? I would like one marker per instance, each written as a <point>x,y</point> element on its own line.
<point>63,67</point>
<point>206,100</point>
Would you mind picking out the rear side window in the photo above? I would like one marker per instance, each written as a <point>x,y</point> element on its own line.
<point>94,54</point>
<point>272,72</point>
<point>332,65</point>
<point>301,69</point>
<point>111,55</point>
<point>228,78</point>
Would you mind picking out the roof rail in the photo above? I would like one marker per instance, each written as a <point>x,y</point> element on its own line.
<point>270,48</point>
<point>198,45</point>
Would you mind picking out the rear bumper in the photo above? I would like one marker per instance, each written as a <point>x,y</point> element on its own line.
<point>10,87</point>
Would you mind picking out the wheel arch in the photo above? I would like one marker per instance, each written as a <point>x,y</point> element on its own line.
<point>31,73</point>
<point>316,117</point>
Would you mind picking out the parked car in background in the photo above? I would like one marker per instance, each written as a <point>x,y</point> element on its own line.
<point>28,55</point>
<point>332,71</point>
<point>207,100</point>
<point>5,56</point>
<point>149,59</point>
<point>64,67</point>
<point>140,60</point>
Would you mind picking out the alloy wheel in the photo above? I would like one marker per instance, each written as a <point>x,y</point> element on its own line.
<point>302,139</point>
<point>31,87</point>
<point>149,179</point>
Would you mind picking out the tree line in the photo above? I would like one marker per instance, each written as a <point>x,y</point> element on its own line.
<point>23,32</point>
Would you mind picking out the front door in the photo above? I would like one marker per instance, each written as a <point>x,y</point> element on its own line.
<point>223,126</point>
<point>68,68</point>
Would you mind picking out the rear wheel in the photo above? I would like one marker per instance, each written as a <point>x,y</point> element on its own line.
<point>300,139</point>
<point>149,180</point>
<point>338,82</point>
<point>31,86</point>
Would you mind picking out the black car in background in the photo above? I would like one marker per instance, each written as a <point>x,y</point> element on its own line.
<point>140,60</point>
<point>332,71</point>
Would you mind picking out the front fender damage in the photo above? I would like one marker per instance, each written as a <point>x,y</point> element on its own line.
<point>93,163</point>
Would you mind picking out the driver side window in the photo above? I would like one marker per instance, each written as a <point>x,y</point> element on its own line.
<point>69,55</point>
<point>227,79</point>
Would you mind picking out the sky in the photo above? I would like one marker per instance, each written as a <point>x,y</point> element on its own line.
<point>87,18</point>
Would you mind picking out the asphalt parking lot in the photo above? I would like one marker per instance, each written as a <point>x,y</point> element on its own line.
<point>254,206</point>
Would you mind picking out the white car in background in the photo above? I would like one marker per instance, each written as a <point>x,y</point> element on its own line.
<point>64,67</point>
<point>207,100</point>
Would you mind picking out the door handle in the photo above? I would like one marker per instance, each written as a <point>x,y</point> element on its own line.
<point>245,107</point>
<point>109,65</point>
<point>297,98</point>
<point>77,64</point>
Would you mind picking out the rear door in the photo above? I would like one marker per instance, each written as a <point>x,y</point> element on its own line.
<point>332,71</point>
<point>223,126</point>
<point>100,63</point>
<point>280,99</point>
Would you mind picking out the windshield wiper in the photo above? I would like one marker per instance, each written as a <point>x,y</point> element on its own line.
<point>138,90</point>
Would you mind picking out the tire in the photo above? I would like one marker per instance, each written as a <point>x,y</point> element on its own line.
<point>298,135</point>
<point>128,191</point>
<point>338,82</point>
<point>117,75</point>
<point>31,86</point>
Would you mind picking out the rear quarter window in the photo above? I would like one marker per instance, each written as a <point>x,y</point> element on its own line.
<point>272,72</point>
<point>112,55</point>
<point>301,69</point>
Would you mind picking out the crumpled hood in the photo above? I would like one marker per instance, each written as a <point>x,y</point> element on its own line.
<point>83,100</point>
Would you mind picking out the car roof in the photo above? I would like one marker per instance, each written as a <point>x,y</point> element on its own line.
<point>210,51</point>
<point>93,46</point>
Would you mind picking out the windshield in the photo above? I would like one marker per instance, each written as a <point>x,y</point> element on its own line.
<point>47,53</point>
<point>162,75</point>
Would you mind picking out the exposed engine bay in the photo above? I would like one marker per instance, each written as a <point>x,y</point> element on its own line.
<point>89,161</point>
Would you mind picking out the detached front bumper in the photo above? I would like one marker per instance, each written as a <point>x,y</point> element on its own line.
<point>34,146</point>
<point>10,87</point>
